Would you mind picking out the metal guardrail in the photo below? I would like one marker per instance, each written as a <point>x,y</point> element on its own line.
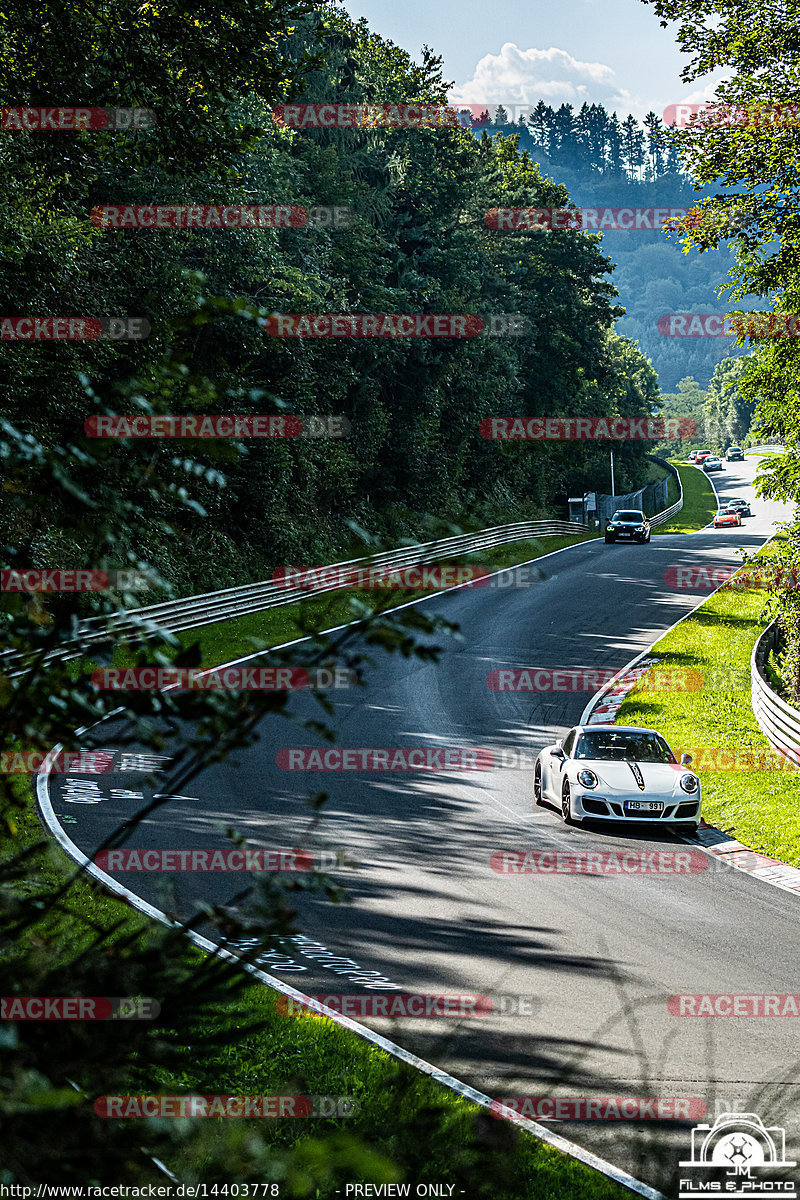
<point>778,721</point>
<point>765,446</point>
<point>668,513</point>
<point>193,612</point>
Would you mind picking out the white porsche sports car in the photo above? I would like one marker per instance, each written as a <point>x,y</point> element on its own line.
<point>617,773</point>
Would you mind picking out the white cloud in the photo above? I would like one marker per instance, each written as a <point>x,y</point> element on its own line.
<point>516,76</point>
<point>709,92</point>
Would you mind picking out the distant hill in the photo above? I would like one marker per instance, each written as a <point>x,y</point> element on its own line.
<point>604,162</point>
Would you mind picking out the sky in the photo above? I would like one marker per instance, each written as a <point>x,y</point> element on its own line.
<point>612,52</point>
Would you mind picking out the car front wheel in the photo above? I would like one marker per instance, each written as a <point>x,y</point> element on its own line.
<point>537,784</point>
<point>566,806</point>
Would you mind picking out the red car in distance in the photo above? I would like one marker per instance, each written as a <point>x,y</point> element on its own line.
<point>726,517</point>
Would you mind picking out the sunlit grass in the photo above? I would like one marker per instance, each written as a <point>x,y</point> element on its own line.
<point>760,808</point>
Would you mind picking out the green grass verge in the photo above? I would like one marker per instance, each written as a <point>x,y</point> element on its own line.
<point>699,502</point>
<point>760,808</point>
<point>396,1104</point>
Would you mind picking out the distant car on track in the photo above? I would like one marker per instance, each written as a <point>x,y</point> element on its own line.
<point>617,773</point>
<point>726,516</point>
<point>736,504</point>
<point>734,454</point>
<point>700,456</point>
<point>712,463</point>
<point>629,525</point>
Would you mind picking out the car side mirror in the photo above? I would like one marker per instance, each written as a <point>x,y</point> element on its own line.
<point>557,751</point>
<point>686,760</point>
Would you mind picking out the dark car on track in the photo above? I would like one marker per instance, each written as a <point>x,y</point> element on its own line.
<point>628,525</point>
<point>740,506</point>
<point>734,454</point>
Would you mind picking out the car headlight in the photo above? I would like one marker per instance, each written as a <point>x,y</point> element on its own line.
<point>689,783</point>
<point>587,778</point>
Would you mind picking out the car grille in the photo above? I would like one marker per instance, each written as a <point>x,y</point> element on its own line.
<point>687,810</point>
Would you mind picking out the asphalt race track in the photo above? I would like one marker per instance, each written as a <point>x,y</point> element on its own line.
<point>596,956</point>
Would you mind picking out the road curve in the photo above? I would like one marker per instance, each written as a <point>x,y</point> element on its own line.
<point>597,957</point>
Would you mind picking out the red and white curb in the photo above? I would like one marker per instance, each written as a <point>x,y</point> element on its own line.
<point>726,848</point>
<point>608,703</point>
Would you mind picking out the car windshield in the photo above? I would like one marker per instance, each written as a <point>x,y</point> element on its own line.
<point>629,514</point>
<point>624,747</point>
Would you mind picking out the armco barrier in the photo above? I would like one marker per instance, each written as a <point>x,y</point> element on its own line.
<point>668,513</point>
<point>779,721</point>
<point>192,612</point>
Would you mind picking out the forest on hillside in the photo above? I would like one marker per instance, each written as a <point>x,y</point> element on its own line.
<point>607,163</point>
<point>414,241</point>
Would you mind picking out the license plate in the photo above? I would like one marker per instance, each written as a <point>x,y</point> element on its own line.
<point>644,805</point>
<point>621,534</point>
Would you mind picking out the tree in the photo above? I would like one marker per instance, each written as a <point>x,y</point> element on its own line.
<point>750,144</point>
<point>654,128</point>
<point>633,146</point>
<point>728,414</point>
